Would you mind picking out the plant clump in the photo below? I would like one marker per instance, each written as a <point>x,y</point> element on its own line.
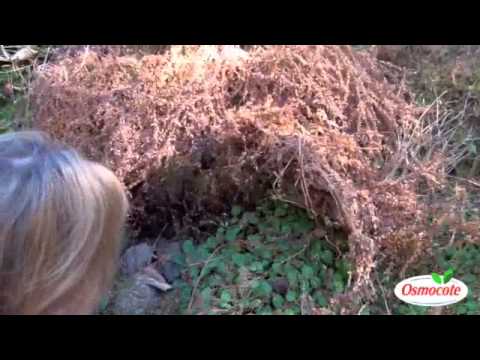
<point>193,130</point>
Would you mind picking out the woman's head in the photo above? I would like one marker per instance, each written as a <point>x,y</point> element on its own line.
<point>61,219</point>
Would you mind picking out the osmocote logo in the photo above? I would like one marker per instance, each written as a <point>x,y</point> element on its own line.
<point>432,290</point>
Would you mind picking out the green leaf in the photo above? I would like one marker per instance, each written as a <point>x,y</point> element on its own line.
<point>229,276</point>
<point>194,272</point>
<point>188,247</point>
<point>249,258</point>
<point>220,234</point>
<point>276,224</point>
<point>277,267</point>
<point>185,293</point>
<point>263,227</point>
<point>263,288</point>
<point>320,299</point>
<point>447,276</point>
<point>254,238</point>
<point>225,296</point>
<point>338,284</point>
<point>437,278</point>
<point>232,233</point>
<point>278,301</point>
<point>292,276</point>
<point>222,268</point>
<point>280,210</point>
<point>327,257</point>
<point>257,303</point>
<point>256,266</point>
<point>307,271</point>
<point>202,253</point>
<point>206,296</point>
<point>179,259</point>
<point>285,228</point>
<point>103,304</point>
<point>343,267</point>
<point>303,226</point>
<point>283,245</point>
<point>236,210</point>
<point>238,259</point>
<point>267,310</point>
<point>292,296</point>
<point>471,306</point>
<point>211,243</point>
<point>266,253</point>
<point>251,218</point>
<point>214,281</point>
<point>462,309</point>
<point>212,265</point>
<point>290,312</point>
<point>469,279</point>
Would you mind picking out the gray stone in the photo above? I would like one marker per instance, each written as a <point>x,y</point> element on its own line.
<point>280,285</point>
<point>170,270</point>
<point>141,295</point>
<point>136,258</point>
<point>166,264</point>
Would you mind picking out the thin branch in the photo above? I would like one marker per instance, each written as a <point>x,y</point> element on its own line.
<point>202,274</point>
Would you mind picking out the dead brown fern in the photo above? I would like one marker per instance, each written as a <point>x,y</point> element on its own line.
<point>199,127</point>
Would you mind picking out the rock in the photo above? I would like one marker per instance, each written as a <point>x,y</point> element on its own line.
<point>166,265</point>
<point>168,249</point>
<point>147,289</point>
<point>142,294</point>
<point>280,286</point>
<point>156,280</point>
<point>171,271</point>
<point>169,304</point>
<point>136,258</point>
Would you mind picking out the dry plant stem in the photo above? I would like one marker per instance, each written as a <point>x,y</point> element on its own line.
<point>202,273</point>
<point>337,249</point>
<point>291,257</point>
<point>5,54</point>
<point>15,69</point>
<point>280,175</point>
<point>387,308</point>
<point>361,309</point>
<point>452,239</point>
<point>471,182</point>
<point>205,262</point>
<point>306,193</point>
<point>280,198</point>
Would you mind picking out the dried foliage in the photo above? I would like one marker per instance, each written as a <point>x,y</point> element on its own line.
<point>199,127</point>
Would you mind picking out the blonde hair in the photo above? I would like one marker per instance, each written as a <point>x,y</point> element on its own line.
<point>61,219</point>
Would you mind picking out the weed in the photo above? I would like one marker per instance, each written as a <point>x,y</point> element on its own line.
<point>260,262</point>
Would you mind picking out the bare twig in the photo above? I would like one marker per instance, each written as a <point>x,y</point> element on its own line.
<point>339,253</point>
<point>471,182</point>
<point>361,309</point>
<point>5,53</point>
<point>383,295</point>
<point>202,273</point>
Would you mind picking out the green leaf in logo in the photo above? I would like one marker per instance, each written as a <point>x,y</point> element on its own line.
<point>447,276</point>
<point>437,278</point>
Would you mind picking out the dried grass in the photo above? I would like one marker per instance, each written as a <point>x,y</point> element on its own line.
<point>194,129</point>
